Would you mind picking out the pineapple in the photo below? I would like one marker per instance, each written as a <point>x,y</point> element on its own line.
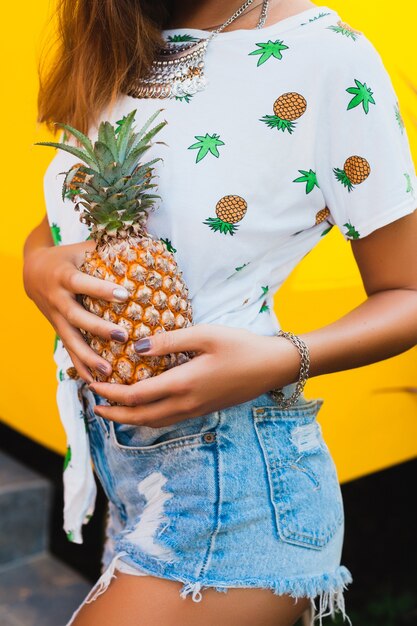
<point>111,189</point>
<point>287,108</point>
<point>344,29</point>
<point>322,215</point>
<point>355,170</point>
<point>229,210</point>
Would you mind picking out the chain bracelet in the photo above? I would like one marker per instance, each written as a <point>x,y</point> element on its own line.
<point>278,394</point>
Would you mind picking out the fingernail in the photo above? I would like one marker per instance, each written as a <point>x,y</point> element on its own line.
<point>120,293</point>
<point>103,369</point>
<point>142,345</point>
<point>118,335</point>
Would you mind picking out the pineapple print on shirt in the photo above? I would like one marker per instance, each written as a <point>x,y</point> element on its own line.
<point>206,144</point>
<point>410,188</point>
<point>362,96</point>
<point>398,117</point>
<point>229,210</point>
<point>268,50</point>
<point>181,38</point>
<point>351,231</point>
<point>345,29</point>
<point>321,216</point>
<point>287,108</point>
<point>238,269</point>
<point>355,171</point>
<point>265,307</point>
<point>168,244</point>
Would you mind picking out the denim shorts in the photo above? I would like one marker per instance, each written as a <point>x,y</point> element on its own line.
<point>247,496</point>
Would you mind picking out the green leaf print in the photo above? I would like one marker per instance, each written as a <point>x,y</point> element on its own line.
<point>181,38</point>
<point>205,144</point>
<point>309,178</point>
<point>185,98</point>
<point>70,194</point>
<point>410,188</point>
<point>264,307</point>
<point>67,459</point>
<point>56,234</point>
<point>120,124</point>
<point>70,535</point>
<point>56,339</point>
<point>269,49</point>
<point>61,375</point>
<point>398,117</point>
<point>238,269</point>
<point>313,19</point>
<point>327,230</point>
<point>363,96</point>
<point>168,244</point>
<point>351,231</point>
<point>344,29</point>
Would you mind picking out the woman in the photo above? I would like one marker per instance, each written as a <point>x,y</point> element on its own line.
<point>213,485</point>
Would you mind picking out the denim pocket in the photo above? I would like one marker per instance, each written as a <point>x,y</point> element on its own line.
<point>303,482</point>
<point>191,431</point>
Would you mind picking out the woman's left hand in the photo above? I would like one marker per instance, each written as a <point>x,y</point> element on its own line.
<point>231,365</point>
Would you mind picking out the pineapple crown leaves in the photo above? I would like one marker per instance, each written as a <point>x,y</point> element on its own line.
<point>111,184</point>
<point>115,149</point>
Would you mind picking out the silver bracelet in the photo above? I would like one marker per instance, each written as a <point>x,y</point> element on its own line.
<point>278,394</point>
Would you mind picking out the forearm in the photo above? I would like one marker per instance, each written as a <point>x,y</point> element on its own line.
<point>40,237</point>
<point>381,327</point>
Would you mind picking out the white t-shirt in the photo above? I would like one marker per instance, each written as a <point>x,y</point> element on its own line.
<point>298,130</point>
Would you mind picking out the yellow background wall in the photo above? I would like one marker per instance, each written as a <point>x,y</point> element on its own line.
<point>368,421</point>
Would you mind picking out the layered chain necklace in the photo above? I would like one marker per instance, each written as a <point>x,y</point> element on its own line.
<point>178,68</point>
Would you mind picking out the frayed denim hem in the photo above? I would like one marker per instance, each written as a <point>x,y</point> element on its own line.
<point>327,588</point>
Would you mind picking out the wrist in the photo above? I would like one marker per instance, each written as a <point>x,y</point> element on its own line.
<point>286,361</point>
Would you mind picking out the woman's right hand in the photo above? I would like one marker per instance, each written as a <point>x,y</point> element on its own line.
<point>52,280</point>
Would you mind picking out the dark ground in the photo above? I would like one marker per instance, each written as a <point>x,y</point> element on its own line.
<point>380,535</point>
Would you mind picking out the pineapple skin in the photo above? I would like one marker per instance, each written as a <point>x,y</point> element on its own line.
<point>158,302</point>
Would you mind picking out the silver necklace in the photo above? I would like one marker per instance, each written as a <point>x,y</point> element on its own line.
<point>178,68</point>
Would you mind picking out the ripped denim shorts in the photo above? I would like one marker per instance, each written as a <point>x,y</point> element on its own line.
<point>247,496</point>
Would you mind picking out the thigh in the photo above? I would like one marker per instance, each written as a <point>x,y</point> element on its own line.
<point>151,601</point>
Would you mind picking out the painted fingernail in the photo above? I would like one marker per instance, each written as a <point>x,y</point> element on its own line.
<point>103,369</point>
<point>118,335</point>
<point>120,293</point>
<point>142,345</point>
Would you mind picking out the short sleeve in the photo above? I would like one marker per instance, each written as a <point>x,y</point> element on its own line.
<point>364,164</point>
